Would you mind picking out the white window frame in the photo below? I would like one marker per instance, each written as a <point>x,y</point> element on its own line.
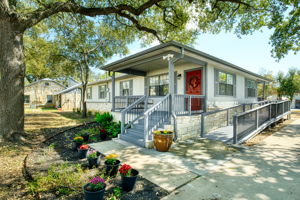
<point>89,93</point>
<point>249,87</point>
<point>102,91</point>
<point>226,83</point>
<point>130,89</point>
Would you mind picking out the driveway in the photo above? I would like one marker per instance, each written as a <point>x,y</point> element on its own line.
<point>270,170</point>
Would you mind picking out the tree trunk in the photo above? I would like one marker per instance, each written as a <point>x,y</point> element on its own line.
<point>84,108</point>
<point>12,72</point>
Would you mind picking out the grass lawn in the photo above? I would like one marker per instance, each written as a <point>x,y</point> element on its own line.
<point>39,125</point>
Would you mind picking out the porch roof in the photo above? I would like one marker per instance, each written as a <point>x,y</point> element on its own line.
<point>151,59</point>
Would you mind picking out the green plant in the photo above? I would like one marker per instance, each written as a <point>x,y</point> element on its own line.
<point>117,193</point>
<point>96,184</point>
<point>89,131</point>
<point>90,112</point>
<point>92,154</point>
<point>111,159</point>
<point>104,119</point>
<point>63,179</point>
<point>114,128</point>
<point>162,132</point>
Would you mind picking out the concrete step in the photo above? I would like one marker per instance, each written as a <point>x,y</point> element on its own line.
<point>135,132</point>
<point>129,138</point>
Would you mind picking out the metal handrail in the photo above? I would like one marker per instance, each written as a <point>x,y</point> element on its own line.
<point>157,104</point>
<point>165,103</point>
<point>259,123</point>
<point>126,111</point>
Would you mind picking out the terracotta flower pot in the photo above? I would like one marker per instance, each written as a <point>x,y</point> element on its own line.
<point>163,142</point>
<point>97,195</point>
<point>128,182</point>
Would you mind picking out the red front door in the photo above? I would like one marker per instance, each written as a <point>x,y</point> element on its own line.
<point>193,86</point>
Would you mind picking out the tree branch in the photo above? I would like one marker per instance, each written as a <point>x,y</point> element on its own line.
<point>50,9</point>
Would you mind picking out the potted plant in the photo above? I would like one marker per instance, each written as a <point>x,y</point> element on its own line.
<point>111,165</point>
<point>93,158</point>
<point>85,136</point>
<point>129,177</point>
<point>163,140</point>
<point>83,149</point>
<point>103,134</point>
<point>77,142</point>
<point>94,190</point>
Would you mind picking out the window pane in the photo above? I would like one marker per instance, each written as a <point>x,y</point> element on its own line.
<point>229,90</point>
<point>154,81</point>
<point>222,89</point>
<point>164,79</point>
<point>229,79</point>
<point>222,77</point>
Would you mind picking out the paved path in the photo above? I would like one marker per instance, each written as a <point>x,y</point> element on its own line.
<point>270,170</point>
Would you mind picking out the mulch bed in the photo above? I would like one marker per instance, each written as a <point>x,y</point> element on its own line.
<point>57,150</point>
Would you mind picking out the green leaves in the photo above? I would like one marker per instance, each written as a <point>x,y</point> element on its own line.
<point>289,84</point>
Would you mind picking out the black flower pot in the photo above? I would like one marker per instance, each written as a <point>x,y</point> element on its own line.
<point>128,182</point>
<point>86,138</point>
<point>93,162</point>
<point>103,136</point>
<point>112,170</point>
<point>98,195</point>
<point>82,153</point>
<point>76,145</point>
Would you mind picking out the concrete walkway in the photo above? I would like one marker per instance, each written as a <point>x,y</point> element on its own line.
<point>270,170</point>
<point>185,162</point>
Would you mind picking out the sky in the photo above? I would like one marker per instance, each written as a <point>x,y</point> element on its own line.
<point>252,52</point>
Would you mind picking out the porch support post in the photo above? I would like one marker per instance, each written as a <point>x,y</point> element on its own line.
<point>264,90</point>
<point>171,81</point>
<point>113,91</point>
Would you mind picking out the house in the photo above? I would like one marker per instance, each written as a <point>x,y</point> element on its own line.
<point>296,101</point>
<point>169,86</point>
<point>69,98</point>
<point>40,93</point>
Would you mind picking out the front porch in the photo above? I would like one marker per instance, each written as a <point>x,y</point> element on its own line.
<point>167,92</point>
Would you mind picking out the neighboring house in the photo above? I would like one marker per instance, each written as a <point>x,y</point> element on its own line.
<point>296,101</point>
<point>40,93</point>
<point>169,81</point>
<point>69,98</point>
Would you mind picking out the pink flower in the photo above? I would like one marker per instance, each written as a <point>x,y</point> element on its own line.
<point>97,180</point>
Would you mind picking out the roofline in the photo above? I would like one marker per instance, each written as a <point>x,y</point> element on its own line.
<point>179,45</point>
<point>109,79</point>
<point>50,80</point>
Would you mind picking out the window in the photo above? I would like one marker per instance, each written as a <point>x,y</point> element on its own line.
<point>89,93</point>
<point>126,88</point>
<point>250,88</point>
<point>102,89</point>
<point>225,83</point>
<point>26,98</point>
<point>159,85</point>
<point>49,98</point>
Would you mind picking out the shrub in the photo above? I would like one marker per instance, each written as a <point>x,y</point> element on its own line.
<point>104,118</point>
